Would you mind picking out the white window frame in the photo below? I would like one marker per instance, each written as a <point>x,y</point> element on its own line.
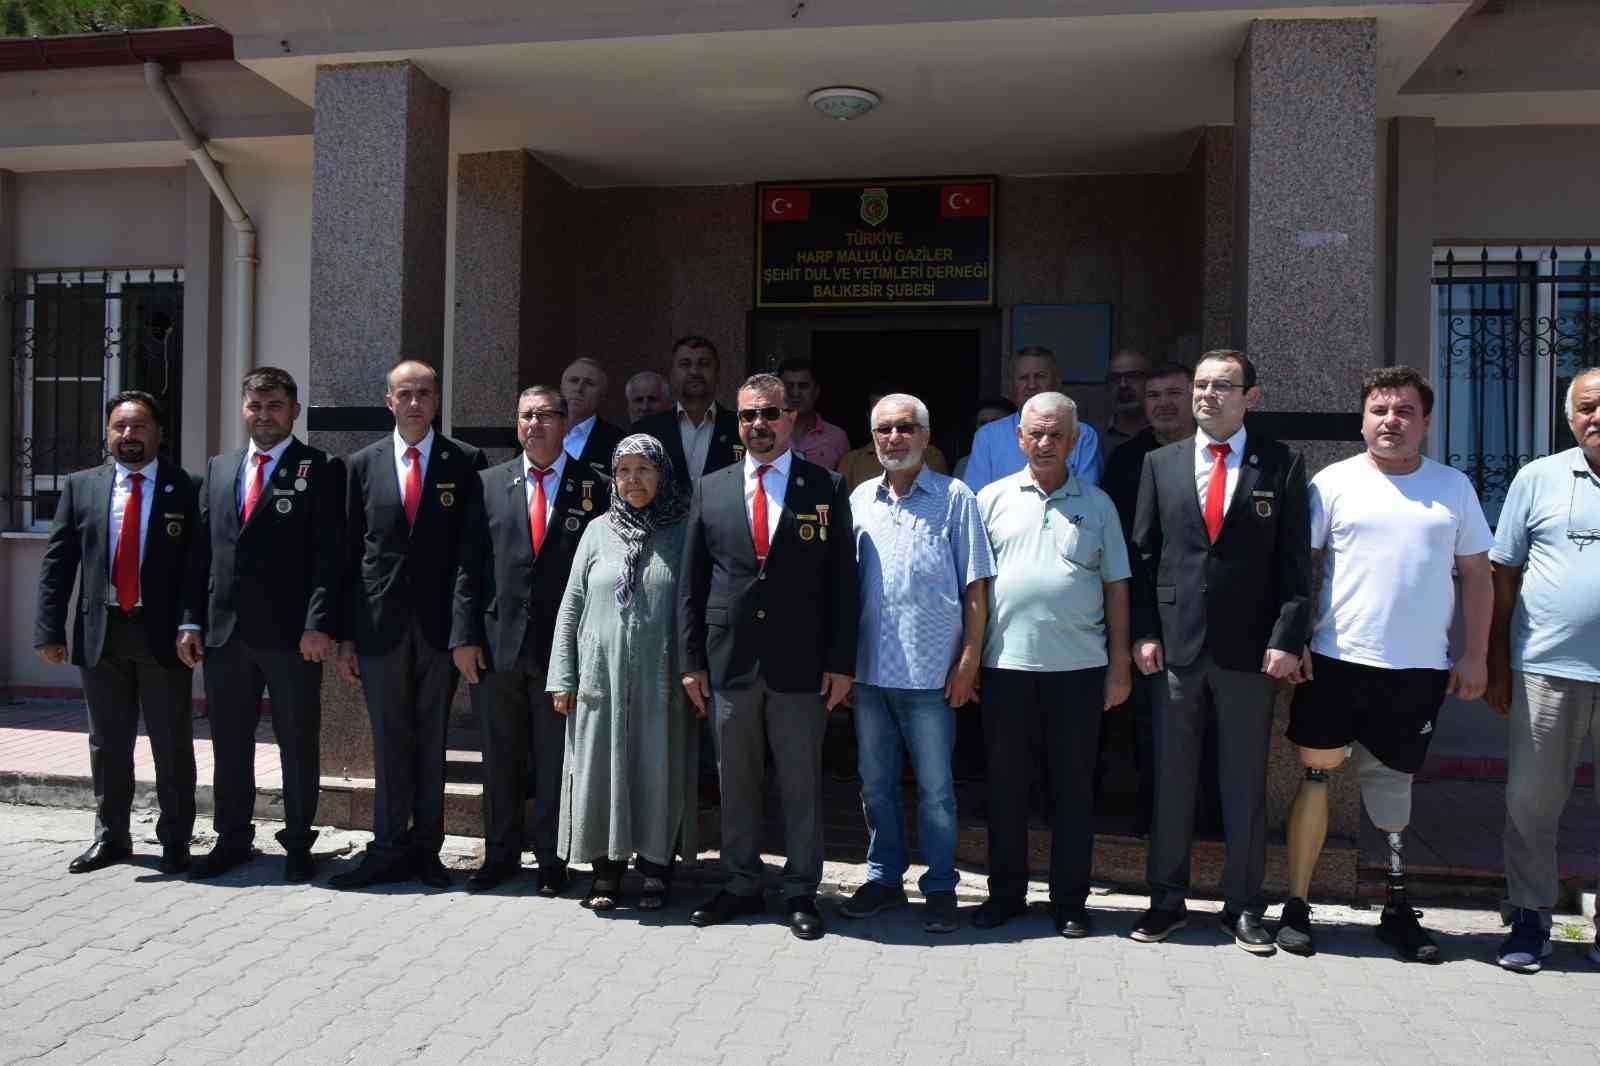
<point>113,280</point>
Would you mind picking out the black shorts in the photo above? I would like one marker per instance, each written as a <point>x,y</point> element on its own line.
<point>1391,712</point>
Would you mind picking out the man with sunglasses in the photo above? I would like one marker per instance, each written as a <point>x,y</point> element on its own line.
<point>1544,659</point>
<point>768,609</point>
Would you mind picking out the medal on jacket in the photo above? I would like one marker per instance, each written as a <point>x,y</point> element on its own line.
<point>588,489</point>
<point>738,453</point>
<point>822,520</point>
<point>300,481</point>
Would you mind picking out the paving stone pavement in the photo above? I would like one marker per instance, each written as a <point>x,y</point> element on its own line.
<point>127,966</point>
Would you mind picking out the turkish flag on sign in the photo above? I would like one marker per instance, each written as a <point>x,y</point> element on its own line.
<point>786,205</point>
<point>964,201</point>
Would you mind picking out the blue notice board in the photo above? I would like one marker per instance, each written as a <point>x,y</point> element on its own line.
<point>1079,334</point>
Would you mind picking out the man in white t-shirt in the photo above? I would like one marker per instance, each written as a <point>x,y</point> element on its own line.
<point>1390,530</point>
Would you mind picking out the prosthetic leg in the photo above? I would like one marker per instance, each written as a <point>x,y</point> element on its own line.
<point>1386,793</point>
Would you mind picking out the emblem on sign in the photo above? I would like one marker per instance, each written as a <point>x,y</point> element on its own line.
<point>285,506</point>
<point>874,205</point>
<point>822,519</point>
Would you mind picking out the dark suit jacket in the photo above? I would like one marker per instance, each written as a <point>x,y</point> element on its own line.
<point>785,622</point>
<point>279,575</point>
<point>505,598</point>
<point>726,447</point>
<point>1121,476</point>
<point>394,570</point>
<point>80,545</point>
<point>596,458</point>
<point>1249,591</point>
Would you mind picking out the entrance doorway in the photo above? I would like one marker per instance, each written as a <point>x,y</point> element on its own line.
<point>939,367</point>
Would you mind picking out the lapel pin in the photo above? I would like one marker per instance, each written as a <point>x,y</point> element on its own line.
<point>167,489</point>
<point>1255,460</point>
<point>444,455</point>
<point>283,473</point>
<point>800,481</point>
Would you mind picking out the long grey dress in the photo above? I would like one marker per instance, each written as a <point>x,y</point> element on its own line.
<point>632,749</point>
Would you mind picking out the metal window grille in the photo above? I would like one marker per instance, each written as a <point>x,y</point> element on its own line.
<point>78,337</point>
<point>1512,326</point>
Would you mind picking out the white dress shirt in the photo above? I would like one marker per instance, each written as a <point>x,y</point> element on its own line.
<point>1203,460</point>
<point>775,481</point>
<point>120,487</point>
<point>552,485</point>
<point>247,469</point>
<point>424,448</point>
<point>696,438</point>
<point>577,437</point>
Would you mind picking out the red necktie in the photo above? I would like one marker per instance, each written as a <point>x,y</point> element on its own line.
<point>1216,489</point>
<point>413,484</point>
<point>257,483</point>
<point>125,566</point>
<point>758,514</point>
<point>536,508</point>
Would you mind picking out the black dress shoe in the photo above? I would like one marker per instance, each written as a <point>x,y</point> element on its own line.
<point>372,871</point>
<point>492,873</point>
<point>100,854</point>
<point>553,881</point>
<point>174,860</point>
<point>431,872</point>
<point>1249,933</point>
<point>993,913</point>
<point>725,906</point>
<point>1157,923</point>
<point>219,861</point>
<point>299,866</point>
<point>1073,922</point>
<point>804,920</point>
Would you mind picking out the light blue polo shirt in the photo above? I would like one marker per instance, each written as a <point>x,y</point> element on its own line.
<point>1052,555</point>
<point>1550,526</point>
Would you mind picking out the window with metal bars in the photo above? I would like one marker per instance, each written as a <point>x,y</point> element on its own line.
<point>1512,326</point>
<point>80,336</point>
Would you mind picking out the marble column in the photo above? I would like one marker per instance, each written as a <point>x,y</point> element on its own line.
<point>1408,334</point>
<point>380,170</point>
<point>1305,233</point>
<point>514,274</point>
<point>10,512</point>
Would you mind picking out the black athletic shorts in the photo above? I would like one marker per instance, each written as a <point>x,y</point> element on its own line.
<point>1391,712</point>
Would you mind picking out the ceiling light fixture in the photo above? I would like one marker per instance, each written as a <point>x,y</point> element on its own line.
<point>843,102</point>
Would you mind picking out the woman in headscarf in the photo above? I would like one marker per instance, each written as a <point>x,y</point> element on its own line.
<point>632,747</point>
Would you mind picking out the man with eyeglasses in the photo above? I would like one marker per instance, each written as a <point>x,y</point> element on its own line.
<point>768,608</point>
<point>1125,378</point>
<point>925,568</point>
<point>523,529</point>
<point>1544,660</point>
<point>1222,609</point>
<point>1392,535</point>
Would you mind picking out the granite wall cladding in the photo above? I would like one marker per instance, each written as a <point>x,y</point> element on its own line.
<point>379,173</point>
<point>1305,208</point>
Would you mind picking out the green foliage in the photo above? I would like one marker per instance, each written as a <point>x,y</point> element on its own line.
<point>43,18</point>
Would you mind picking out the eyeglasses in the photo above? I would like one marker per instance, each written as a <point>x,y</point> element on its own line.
<point>1581,537</point>
<point>905,429</point>
<point>1222,388</point>
<point>545,418</point>
<point>748,415</point>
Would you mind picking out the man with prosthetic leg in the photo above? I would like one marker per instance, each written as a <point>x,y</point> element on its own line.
<point>1391,532</point>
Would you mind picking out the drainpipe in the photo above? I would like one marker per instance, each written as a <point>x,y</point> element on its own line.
<point>244,343</point>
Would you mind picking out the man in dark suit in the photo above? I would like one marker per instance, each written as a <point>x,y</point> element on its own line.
<point>769,608</point>
<point>1222,605</point>
<point>522,532</point>
<point>113,525</point>
<point>264,589</point>
<point>697,432</point>
<point>405,515</point>
<point>590,439</point>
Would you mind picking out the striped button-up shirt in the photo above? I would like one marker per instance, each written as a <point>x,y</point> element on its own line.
<point>917,556</point>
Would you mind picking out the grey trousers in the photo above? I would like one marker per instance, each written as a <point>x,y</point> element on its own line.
<point>1244,702</point>
<point>793,723</point>
<point>126,681</point>
<point>408,690</point>
<point>1549,720</point>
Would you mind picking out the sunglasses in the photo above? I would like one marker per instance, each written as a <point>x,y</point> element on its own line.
<point>905,429</point>
<point>748,415</point>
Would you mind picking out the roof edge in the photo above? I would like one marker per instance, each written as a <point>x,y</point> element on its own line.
<point>176,44</point>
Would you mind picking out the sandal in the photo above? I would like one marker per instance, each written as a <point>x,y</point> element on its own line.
<point>653,894</point>
<point>603,894</point>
